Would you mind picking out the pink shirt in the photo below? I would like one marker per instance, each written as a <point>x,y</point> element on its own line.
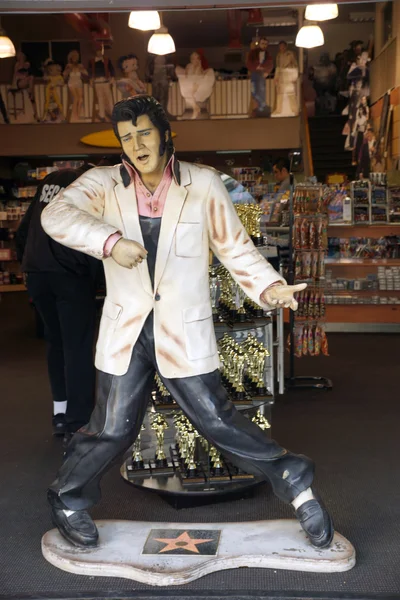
<point>149,205</point>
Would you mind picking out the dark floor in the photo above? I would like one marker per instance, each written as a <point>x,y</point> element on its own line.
<point>352,432</point>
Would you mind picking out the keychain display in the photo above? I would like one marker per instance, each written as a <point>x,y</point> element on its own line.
<point>309,340</point>
<point>310,245</point>
<point>311,304</point>
<point>309,265</point>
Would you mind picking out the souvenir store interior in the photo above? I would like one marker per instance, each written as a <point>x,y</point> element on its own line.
<point>297,109</point>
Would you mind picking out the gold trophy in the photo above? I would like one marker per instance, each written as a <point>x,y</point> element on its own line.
<point>215,458</point>
<point>239,360</point>
<point>213,276</point>
<point>159,426</point>
<point>241,313</point>
<point>261,421</point>
<point>162,394</point>
<point>137,458</point>
<point>191,465</point>
<point>257,236</point>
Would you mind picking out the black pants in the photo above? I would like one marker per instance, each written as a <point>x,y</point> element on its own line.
<point>118,415</point>
<point>66,304</point>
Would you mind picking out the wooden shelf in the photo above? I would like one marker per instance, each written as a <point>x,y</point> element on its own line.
<point>330,292</point>
<point>13,288</point>
<point>365,313</point>
<point>363,230</point>
<point>363,262</point>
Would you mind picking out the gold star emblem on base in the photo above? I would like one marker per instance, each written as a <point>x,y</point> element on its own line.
<point>184,542</point>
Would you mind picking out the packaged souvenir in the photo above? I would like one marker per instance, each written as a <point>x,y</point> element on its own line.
<point>324,343</point>
<point>311,305</point>
<point>313,235</point>
<point>298,266</point>
<point>298,341</point>
<point>322,308</point>
<point>306,265</point>
<point>304,239</point>
<point>317,340</point>
<point>310,337</point>
<point>297,234</point>
<point>314,264</point>
<point>305,340</point>
<point>321,264</point>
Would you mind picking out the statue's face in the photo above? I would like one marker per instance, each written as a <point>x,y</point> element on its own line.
<point>141,143</point>
<point>195,58</point>
<point>130,65</point>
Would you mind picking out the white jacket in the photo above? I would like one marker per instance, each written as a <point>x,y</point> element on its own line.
<point>198,215</point>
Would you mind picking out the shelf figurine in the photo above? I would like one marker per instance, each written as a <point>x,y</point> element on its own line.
<point>101,73</point>
<point>260,65</point>
<point>74,74</point>
<point>21,97</point>
<point>196,83</point>
<point>130,84</point>
<point>285,79</point>
<point>53,111</point>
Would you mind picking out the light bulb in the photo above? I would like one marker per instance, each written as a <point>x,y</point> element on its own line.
<point>145,20</point>
<point>6,46</point>
<point>310,36</point>
<point>161,42</point>
<point>321,12</point>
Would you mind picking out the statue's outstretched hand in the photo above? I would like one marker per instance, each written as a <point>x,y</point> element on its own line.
<point>128,253</point>
<point>282,295</point>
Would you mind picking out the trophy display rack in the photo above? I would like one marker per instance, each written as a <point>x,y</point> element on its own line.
<point>170,457</point>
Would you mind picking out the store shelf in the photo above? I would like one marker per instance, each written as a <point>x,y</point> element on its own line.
<point>363,313</point>
<point>12,288</point>
<point>363,230</point>
<point>275,228</point>
<point>331,292</point>
<point>363,262</point>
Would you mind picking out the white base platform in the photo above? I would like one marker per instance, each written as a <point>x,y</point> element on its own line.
<point>152,554</point>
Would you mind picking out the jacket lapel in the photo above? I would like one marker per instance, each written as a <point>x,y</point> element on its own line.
<point>173,207</point>
<point>126,199</point>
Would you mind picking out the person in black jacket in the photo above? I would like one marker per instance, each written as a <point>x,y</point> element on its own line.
<point>61,284</point>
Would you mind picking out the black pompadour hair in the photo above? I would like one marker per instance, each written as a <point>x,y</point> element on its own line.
<point>136,106</point>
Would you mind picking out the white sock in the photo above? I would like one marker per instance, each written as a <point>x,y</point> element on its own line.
<point>59,408</point>
<point>68,513</point>
<point>303,497</point>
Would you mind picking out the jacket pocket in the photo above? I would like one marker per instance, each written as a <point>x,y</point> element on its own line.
<point>188,240</point>
<point>199,332</point>
<point>108,324</point>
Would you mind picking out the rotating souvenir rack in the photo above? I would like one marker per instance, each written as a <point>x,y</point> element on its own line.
<point>308,247</point>
<point>171,458</point>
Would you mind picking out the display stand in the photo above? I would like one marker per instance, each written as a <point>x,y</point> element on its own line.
<point>295,381</point>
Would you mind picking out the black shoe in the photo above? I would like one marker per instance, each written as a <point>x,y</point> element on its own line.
<point>316,522</point>
<point>59,425</point>
<point>78,528</point>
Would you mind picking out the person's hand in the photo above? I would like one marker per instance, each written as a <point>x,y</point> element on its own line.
<point>282,295</point>
<point>128,253</point>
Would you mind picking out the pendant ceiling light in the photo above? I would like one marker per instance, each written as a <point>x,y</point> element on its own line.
<point>161,42</point>
<point>145,20</point>
<point>6,46</point>
<point>321,12</point>
<point>310,36</point>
